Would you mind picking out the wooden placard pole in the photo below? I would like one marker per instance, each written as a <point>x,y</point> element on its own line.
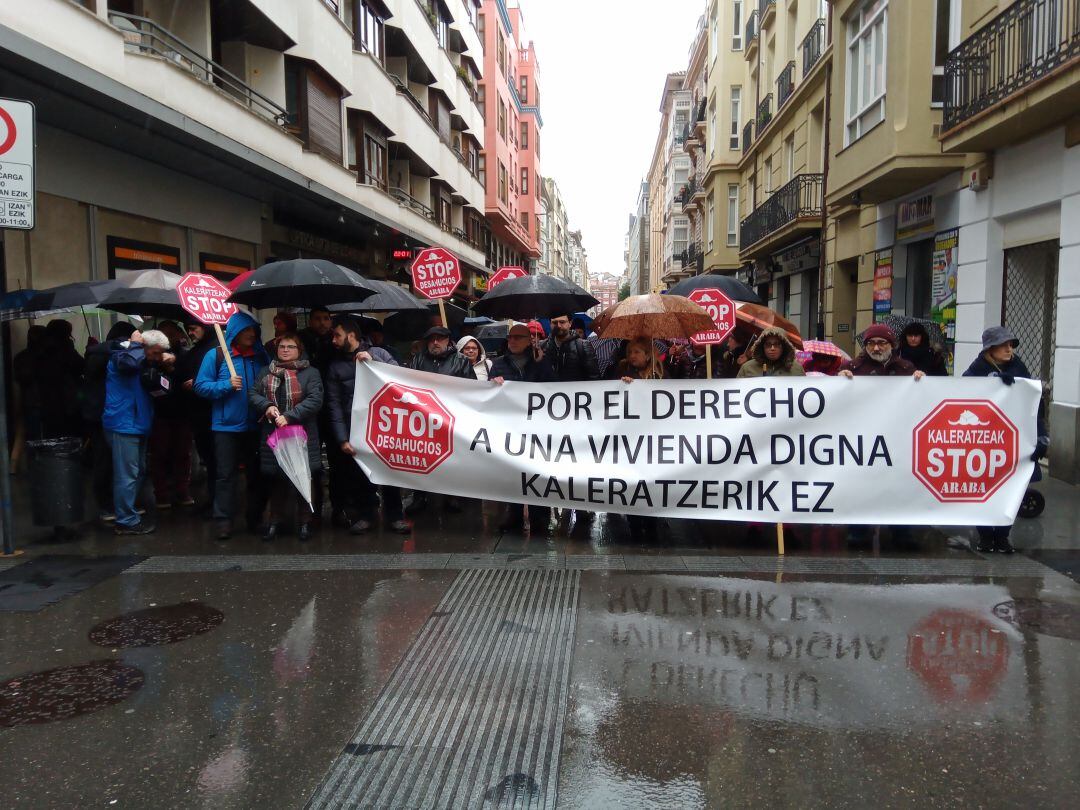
<point>780,539</point>
<point>708,362</point>
<point>225,350</point>
<point>442,313</point>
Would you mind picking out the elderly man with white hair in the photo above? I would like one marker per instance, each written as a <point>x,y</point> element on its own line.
<point>132,380</point>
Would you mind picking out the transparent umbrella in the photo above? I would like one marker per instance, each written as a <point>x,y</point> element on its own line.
<point>289,445</point>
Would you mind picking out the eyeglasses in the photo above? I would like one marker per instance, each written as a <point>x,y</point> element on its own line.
<point>877,344</point>
<point>287,347</point>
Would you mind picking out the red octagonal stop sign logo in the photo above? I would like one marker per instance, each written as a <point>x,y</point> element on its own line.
<point>965,450</point>
<point>409,428</point>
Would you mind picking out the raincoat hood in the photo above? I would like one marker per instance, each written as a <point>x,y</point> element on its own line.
<point>788,356</point>
<point>461,344</point>
<point>237,324</point>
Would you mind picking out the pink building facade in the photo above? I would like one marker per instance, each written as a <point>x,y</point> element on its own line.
<point>509,94</point>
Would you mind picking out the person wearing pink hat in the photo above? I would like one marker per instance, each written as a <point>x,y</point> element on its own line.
<point>879,357</point>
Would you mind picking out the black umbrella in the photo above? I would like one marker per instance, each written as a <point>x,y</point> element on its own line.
<point>67,296</point>
<point>535,297</point>
<point>301,283</point>
<point>411,324</point>
<point>728,285</point>
<point>147,292</point>
<point>388,298</point>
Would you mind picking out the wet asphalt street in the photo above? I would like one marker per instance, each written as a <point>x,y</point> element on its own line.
<point>459,667</point>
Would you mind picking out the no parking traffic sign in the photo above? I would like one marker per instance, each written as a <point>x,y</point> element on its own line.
<point>16,164</point>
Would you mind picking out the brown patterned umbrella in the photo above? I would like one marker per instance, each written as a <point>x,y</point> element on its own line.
<point>753,318</point>
<point>653,316</point>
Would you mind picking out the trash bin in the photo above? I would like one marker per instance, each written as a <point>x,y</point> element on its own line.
<point>56,481</point>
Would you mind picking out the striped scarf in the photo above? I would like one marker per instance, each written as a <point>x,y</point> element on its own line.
<point>284,376</point>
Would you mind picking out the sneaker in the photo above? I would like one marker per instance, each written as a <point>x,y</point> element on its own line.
<point>135,528</point>
<point>360,527</point>
<point>986,546</point>
<point>1003,546</point>
<point>187,500</point>
<point>401,526</point>
<point>303,534</point>
<point>163,504</point>
<point>107,517</point>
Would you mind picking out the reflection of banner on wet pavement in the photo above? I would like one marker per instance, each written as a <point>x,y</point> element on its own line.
<point>939,451</point>
<point>807,652</point>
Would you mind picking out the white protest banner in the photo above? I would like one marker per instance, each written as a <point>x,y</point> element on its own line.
<point>945,451</point>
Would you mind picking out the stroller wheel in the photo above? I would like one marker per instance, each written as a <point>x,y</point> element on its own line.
<point>1032,505</point>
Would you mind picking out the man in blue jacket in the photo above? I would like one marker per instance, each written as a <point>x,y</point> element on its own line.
<point>132,378</point>
<point>234,424</point>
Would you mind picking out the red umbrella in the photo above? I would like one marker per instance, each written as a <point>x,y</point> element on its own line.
<point>240,279</point>
<point>755,318</point>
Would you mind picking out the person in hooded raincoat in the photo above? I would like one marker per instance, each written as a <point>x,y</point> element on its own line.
<point>472,350</point>
<point>772,356</point>
<point>234,422</point>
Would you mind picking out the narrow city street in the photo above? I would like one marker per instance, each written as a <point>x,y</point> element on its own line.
<point>461,667</point>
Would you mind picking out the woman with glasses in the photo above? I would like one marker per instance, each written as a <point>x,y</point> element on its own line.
<point>288,392</point>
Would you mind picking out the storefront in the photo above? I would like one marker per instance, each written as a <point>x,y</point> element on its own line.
<point>795,271</point>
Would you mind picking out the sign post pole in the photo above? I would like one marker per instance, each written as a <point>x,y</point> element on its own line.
<point>442,313</point>
<point>708,363</point>
<point>225,350</point>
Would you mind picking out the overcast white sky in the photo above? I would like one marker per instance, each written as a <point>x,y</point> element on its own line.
<point>602,68</point>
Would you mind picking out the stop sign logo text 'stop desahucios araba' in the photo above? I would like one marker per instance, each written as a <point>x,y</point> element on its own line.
<point>964,450</point>
<point>409,428</point>
<point>205,298</point>
<point>720,308</point>
<point>436,273</point>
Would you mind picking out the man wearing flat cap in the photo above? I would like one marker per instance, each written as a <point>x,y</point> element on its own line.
<point>879,357</point>
<point>439,356</point>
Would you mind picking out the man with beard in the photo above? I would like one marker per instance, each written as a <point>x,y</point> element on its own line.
<point>571,356</point>
<point>318,339</point>
<point>352,495</point>
<point>879,357</point>
<point>439,356</point>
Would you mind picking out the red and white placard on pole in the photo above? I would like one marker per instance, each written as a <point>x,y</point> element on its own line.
<point>205,298</point>
<point>505,274</point>
<point>722,310</point>
<point>436,273</point>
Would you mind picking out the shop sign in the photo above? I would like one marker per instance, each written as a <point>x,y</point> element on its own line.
<point>943,284</point>
<point>336,251</point>
<point>915,217</point>
<point>883,280</point>
<point>799,258</point>
<point>129,255</point>
<point>225,268</point>
<point>479,282</point>
<point>762,273</point>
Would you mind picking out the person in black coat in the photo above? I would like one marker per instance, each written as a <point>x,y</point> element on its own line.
<point>571,356</point>
<point>999,359</point>
<point>438,355</point>
<point>197,409</point>
<point>916,348</point>
<point>351,493</point>
<point>287,392</point>
<point>523,361</point>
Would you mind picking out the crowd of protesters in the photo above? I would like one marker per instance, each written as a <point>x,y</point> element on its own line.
<point>145,399</point>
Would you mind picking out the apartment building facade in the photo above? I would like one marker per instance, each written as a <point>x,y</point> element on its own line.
<point>510,158</point>
<point>605,289</point>
<point>638,243</point>
<point>577,260</point>
<point>669,170</point>
<point>214,136</point>
<point>554,229</point>
<point>689,204</point>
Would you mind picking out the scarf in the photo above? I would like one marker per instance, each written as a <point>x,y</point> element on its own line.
<point>284,376</point>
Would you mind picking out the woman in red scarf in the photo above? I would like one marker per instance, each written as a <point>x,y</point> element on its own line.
<point>288,392</point>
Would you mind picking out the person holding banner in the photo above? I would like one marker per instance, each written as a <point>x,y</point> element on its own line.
<point>879,357</point>
<point>999,359</point>
<point>772,356</point>
<point>572,358</point>
<point>916,348</point>
<point>474,352</point>
<point>234,422</point>
<point>688,362</point>
<point>438,356</point>
<point>639,362</point>
<point>352,496</point>
<point>287,392</point>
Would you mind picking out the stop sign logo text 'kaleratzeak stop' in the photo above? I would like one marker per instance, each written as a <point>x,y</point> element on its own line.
<point>205,298</point>
<point>436,273</point>
<point>409,428</point>
<point>505,274</point>
<point>720,308</point>
<point>964,450</point>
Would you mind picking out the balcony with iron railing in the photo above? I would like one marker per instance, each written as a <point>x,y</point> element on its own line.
<point>764,113</point>
<point>785,84</point>
<point>793,208</point>
<point>145,36</point>
<point>813,45</point>
<point>751,39</point>
<point>747,136</point>
<point>1032,48</point>
<point>766,11</point>
<point>404,198</point>
<point>699,119</point>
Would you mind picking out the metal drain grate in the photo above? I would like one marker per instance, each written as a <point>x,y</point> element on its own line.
<point>473,714</point>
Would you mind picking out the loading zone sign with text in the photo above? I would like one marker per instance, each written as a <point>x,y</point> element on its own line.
<point>945,451</point>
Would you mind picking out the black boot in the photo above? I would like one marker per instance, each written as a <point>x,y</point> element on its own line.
<point>1003,546</point>
<point>303,534</point>
<point>270,532</point>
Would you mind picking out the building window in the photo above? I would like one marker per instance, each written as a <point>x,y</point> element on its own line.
<point>524,89</point>
<point>681,235</point>
<point>733,214</point>
<point>714,36</point>
<point>501,123</point>
<point>504,194</point>
<point>313,103</point>
<point>789,157</point>
<point>481,173</point>
<point>524,180</point>
<point>736,25</point>
<point>524,134</point>
<point>368,32</point>
<point>481,28</point>
<point>736,116</point>
<point>333,6</point>
<point>501,52</point>
<point>946,37</point>
<point>712,127</point>
<point>374,162</point>
<point>710,215</point>
<point>767,185</point>
<point>866,39</point>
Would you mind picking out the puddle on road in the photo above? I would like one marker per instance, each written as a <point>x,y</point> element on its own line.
<point>1049,618</point>
<point>155,626</point>
<point>66,692</point>
<point>512,789</point>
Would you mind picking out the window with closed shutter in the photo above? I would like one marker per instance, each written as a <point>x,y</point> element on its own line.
<point>323,116</point>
